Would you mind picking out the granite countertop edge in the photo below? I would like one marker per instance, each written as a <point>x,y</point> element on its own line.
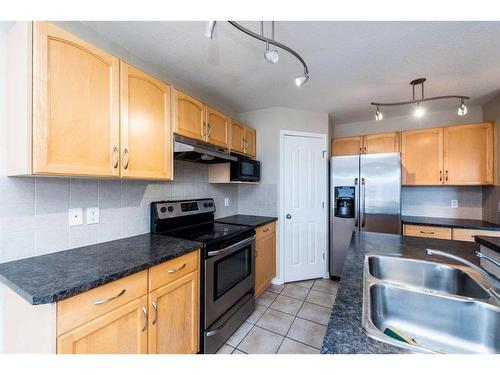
<point>492,243</point>
<point>450,222</point>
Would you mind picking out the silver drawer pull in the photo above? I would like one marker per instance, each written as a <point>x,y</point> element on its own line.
<point>424,232</point>
<point>155,307</point>
<point>100,302</point>
<point>145,312</point>
<point>265,230</point>
<point>177,269</point>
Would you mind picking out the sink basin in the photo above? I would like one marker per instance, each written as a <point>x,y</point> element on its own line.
<point>438,323</point>
<point>426,275</point>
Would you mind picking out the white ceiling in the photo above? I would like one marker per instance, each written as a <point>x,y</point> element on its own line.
<point>351,63</point>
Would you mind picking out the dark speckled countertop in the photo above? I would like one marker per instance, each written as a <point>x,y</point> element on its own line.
<point>492,243</point>
<point>344,334</point>
<point>247,220</point>
<point>53,277</point>
<point>450,222</point>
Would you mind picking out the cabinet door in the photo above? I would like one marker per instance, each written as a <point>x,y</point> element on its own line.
<point>189,118</point>
<point>469,154</point>
<point>174,320</point>
<point>265,260</point>
<point>217,128</point>
<point>237,137</point>
<point>460,234</point>
<point>146,143</point>
<point>379,143</point>
<point>422,157</point>
<point>347,146</point>
<point>250,142</point>
<point>121,331</point>
<point>75,105</point>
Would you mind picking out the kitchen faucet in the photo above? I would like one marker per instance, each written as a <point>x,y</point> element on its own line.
<point>483,272</point>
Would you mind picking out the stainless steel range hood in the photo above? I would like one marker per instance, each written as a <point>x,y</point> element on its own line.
<point>199,152</point>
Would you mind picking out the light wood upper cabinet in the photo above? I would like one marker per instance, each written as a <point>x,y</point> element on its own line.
<point>422,157</point>
<point>174,321</point>
<point>217,128</point>
<point>250,142</point>
<point>189,116</point>
<point>75,105</point>
<point>237,137</point>
<point>380,143</point>
<point>121,331</point>
<point>347,146</point>
<point>265,258</point>
<point>469,154</point>
<point>146,142</point>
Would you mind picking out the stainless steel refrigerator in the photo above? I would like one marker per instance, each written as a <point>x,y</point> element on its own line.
<point>365,195</point>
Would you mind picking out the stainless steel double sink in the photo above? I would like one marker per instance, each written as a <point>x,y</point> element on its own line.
<point>441,308</point>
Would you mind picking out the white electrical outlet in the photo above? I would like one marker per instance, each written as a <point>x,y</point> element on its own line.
<point>454,203</point>
<point>227,202</point>
<point>75,216</point>
<point>93,215</point>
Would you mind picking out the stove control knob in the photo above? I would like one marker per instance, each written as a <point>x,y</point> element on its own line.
<point>205,204</point>
<point>210,204</point>
<point>170,208</point>
<point>163,209</point>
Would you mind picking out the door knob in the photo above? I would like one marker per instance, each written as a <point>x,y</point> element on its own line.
<point>288,216</point>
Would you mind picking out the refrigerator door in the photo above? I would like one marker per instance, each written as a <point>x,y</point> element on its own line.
<point>380,193</point>
<point>344,174</point>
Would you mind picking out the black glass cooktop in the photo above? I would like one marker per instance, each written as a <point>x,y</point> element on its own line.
<point>210,232</point>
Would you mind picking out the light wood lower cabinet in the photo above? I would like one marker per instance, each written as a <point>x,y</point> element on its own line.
<point>427,231</point>
<point>468,234</point>
<point>265,260</point>
<point>126,316</point>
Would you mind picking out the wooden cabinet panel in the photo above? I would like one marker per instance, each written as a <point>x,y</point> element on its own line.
<point>76,310</point>
<point>189,117</point>
<point>174,269</point>
<point>468,234</point>
<point>174,323</point>
<point>469,154</point>
<point>265,260</point>
<point>237,137</point>
<point>250,142</point>
<point>217,128</point>
<point>75,105</point>
<point>146,144</point>
<point>121,331</point>
<point>422,157</point>
<point>427,231</point>
<point>347,146</point>
<point>380,143</point>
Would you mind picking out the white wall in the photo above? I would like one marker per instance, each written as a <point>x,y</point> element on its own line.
<point>3,138</point>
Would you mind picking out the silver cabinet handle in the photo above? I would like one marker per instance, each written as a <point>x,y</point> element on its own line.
<point>265,230</point>
<point>155,308</point>
<point>177,269</point>
<point>102,301</point>
<point>424,232</point>
<point>125,157</point>
<point>145,312</point>
<point>209,127</point>
<point>204,129</point>
<point>288,216</point>
<point>115,157</point>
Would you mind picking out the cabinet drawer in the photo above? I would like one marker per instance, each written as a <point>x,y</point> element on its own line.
<point>173,269</point>
<point>84,307</point>
<point>468,234</point>
<point>427,231</point>
<point>265,230</point>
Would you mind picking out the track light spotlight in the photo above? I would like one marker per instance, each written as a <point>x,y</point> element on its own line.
<point>210,30</point>
<point>462,109</point>
<point>301,80</point>
<point>419,111</point>
<point>271,55</point>
<point>378,115</point>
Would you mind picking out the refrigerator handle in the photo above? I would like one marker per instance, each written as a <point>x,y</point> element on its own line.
<point>355,211</point>
<point>363,189</point>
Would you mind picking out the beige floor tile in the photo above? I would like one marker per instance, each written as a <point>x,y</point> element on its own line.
<point>294,347</point>
<point>266,298</point>
<point>260,341</point>
<point>240,333</point>
<point>236,351</point>
<point>295,291</point>
<point>304,284</point>
<point>315,313</point>
<point>286,304</point>
<point>257,313</point>
<point>275,288</point>
<point>307,332</point>
<point>326,286</point>
<point>225,349</point>
<point>320,298</point>
<point>275,321</point>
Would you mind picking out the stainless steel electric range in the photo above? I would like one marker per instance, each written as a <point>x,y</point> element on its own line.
<point>228,264</point>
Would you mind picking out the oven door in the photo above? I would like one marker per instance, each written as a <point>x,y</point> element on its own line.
<point>229,275</point>
<point>245,170</point>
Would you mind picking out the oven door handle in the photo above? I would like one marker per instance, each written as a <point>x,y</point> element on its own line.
<point>229,248</point>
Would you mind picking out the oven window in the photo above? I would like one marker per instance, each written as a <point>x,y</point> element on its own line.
<point>229,271</point>
<point>247,169</point>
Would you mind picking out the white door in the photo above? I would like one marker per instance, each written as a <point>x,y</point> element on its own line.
<point>304,206</point>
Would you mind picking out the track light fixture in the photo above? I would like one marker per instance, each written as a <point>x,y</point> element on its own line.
<point>420,110</point>
<point>270,55</point>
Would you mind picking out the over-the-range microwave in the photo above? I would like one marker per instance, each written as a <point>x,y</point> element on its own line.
<point>245,170</point>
